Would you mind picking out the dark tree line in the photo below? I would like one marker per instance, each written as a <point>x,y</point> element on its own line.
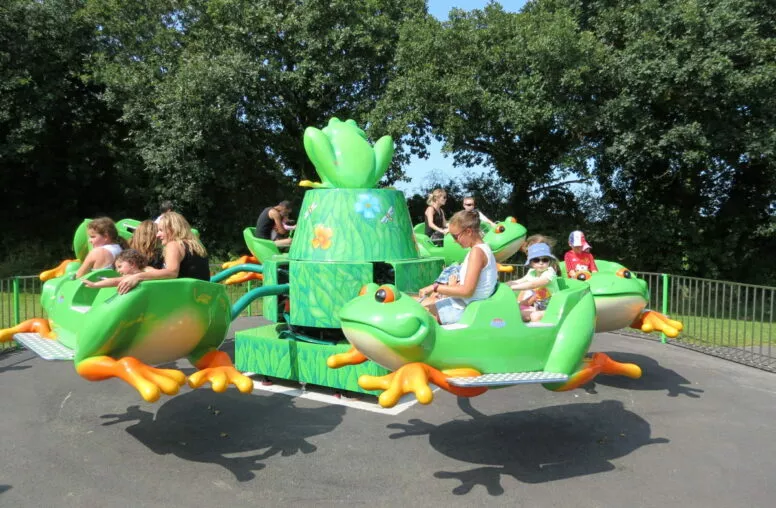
<point>661,114</point>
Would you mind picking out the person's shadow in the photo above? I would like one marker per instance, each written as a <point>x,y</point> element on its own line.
<point>235,431</point>
<point>4,488</point>
<point>533,446</point>
<point>654,377</point>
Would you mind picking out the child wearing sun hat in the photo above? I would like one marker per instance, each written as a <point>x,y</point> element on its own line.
<point>579,260</point>
<point>537,286</point>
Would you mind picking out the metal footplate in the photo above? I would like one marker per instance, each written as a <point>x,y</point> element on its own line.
<point>509,378</point>
<point>48,349</point>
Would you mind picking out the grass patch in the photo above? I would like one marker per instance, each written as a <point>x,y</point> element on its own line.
<point>721,332</point>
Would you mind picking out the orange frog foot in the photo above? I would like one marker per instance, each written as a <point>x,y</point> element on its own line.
<point>414,378</point>
<point>217,367</point>
<point>650,321</point>
<point>149,381</point>
<point>241,277</point>
<point>599,363</point>
<point>242,260</point>
<point>351,357</point>
<point>34,325</point>
<point>57,271</point>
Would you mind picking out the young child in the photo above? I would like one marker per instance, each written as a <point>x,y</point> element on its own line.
<point>106,245</point>
<point>478,274</point>
<point>128,262</point>
<point>578,259</point>
<point>537,286</point>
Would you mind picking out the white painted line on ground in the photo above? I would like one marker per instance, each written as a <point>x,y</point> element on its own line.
<point>404,403</point>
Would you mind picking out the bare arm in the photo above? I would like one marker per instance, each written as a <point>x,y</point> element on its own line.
<point>173,255</point>
<point>279,226</point>
<point>104,283</point>
<point>477,261</point>
<point>521,284</point>
<point>96,257</point>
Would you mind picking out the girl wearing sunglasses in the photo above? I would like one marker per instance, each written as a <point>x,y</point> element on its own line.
<point>537,286</point>
<point>478,274</point>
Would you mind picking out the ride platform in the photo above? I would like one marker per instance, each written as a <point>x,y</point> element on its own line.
<point>263,351</point>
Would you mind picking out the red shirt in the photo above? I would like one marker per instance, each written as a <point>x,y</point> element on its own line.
<point>582,262</point>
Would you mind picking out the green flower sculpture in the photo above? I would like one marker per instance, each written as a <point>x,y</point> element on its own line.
<point>343,157</point>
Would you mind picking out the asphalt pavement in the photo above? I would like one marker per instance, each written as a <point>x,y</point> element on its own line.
<point>693,431</point>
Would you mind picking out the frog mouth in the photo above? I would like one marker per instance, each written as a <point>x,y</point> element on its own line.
<point>384,348</point>
<point>506,251</point>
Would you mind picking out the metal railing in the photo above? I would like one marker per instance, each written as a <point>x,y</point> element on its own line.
<point>725,319</point>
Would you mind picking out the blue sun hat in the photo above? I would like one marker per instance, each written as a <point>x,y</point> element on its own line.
<point>539,250</point>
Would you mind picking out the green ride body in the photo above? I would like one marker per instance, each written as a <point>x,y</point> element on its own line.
<point>504,240</point>
<point>618,299</point>
<point>156,322</point>
<point>490,336</point>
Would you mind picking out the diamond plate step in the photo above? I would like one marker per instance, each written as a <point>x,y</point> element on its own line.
<point>48,349</point>
<point>509,378</point>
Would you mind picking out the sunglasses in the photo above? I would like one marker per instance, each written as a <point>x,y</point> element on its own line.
<point>468,204</point>
<point>541,260</point>
<point>456,235</point>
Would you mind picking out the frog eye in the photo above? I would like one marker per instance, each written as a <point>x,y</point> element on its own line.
<point>385,295</point>
<point>513,220</point>
<point>500,228</point>
<point>624,273</point>
<point>583,276</point>
<point>363,290</point>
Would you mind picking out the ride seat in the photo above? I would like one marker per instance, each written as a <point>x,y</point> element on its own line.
<point>501,305</point>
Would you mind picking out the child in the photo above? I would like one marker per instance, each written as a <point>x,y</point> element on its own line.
<point>538,284</point>
<point>478,275</point>
<point>128,262</point>
<point>106,244</point>
<point>578,259</point>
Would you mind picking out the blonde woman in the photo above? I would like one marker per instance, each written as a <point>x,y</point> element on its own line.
<point>436,224</point>
<point>184,255</point>
<point>144,241</point>
<point>478,275</point>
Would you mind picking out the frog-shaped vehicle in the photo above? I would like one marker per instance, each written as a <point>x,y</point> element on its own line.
<point>111,335</point>
<point>489,347</point>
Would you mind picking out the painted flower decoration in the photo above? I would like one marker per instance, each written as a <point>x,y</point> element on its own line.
<point>322,238</point>
<point>368,206</point>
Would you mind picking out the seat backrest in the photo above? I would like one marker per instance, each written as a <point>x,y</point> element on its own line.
<point>261,248</point>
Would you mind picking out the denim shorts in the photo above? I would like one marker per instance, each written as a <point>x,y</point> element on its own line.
<point>447,312</point>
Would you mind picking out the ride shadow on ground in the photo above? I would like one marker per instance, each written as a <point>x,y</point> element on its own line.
<point>533,446</point>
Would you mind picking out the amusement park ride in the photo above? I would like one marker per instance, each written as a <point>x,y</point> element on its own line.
<point>340,305</point>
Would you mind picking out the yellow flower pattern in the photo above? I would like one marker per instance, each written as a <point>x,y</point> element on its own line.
<point>322,237</point>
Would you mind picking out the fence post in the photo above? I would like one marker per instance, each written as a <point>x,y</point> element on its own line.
<point>16,300</point>
<point>664,310</point>
<point>250,307</point>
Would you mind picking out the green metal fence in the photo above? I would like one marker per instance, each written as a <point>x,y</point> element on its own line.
<point>725,319</point>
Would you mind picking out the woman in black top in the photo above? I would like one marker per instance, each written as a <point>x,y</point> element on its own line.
<point>436,224</point>
<point>184,255</point>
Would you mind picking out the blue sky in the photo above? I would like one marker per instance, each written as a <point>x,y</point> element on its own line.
<point>419,168</point>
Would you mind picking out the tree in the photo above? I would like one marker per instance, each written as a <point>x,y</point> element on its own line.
<point>505,90</point>
<point>217,94</point>
<point>684,136</point>
<point>59,142</point>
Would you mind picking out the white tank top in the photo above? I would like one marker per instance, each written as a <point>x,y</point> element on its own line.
<point>487,281</point>
<point>114,250</point>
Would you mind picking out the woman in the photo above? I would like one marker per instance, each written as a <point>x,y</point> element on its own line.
<point>478,274</point>
<point>184,256</point>
<point>144,241</point>
<point>106,245</point>
<point>436,225</point>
